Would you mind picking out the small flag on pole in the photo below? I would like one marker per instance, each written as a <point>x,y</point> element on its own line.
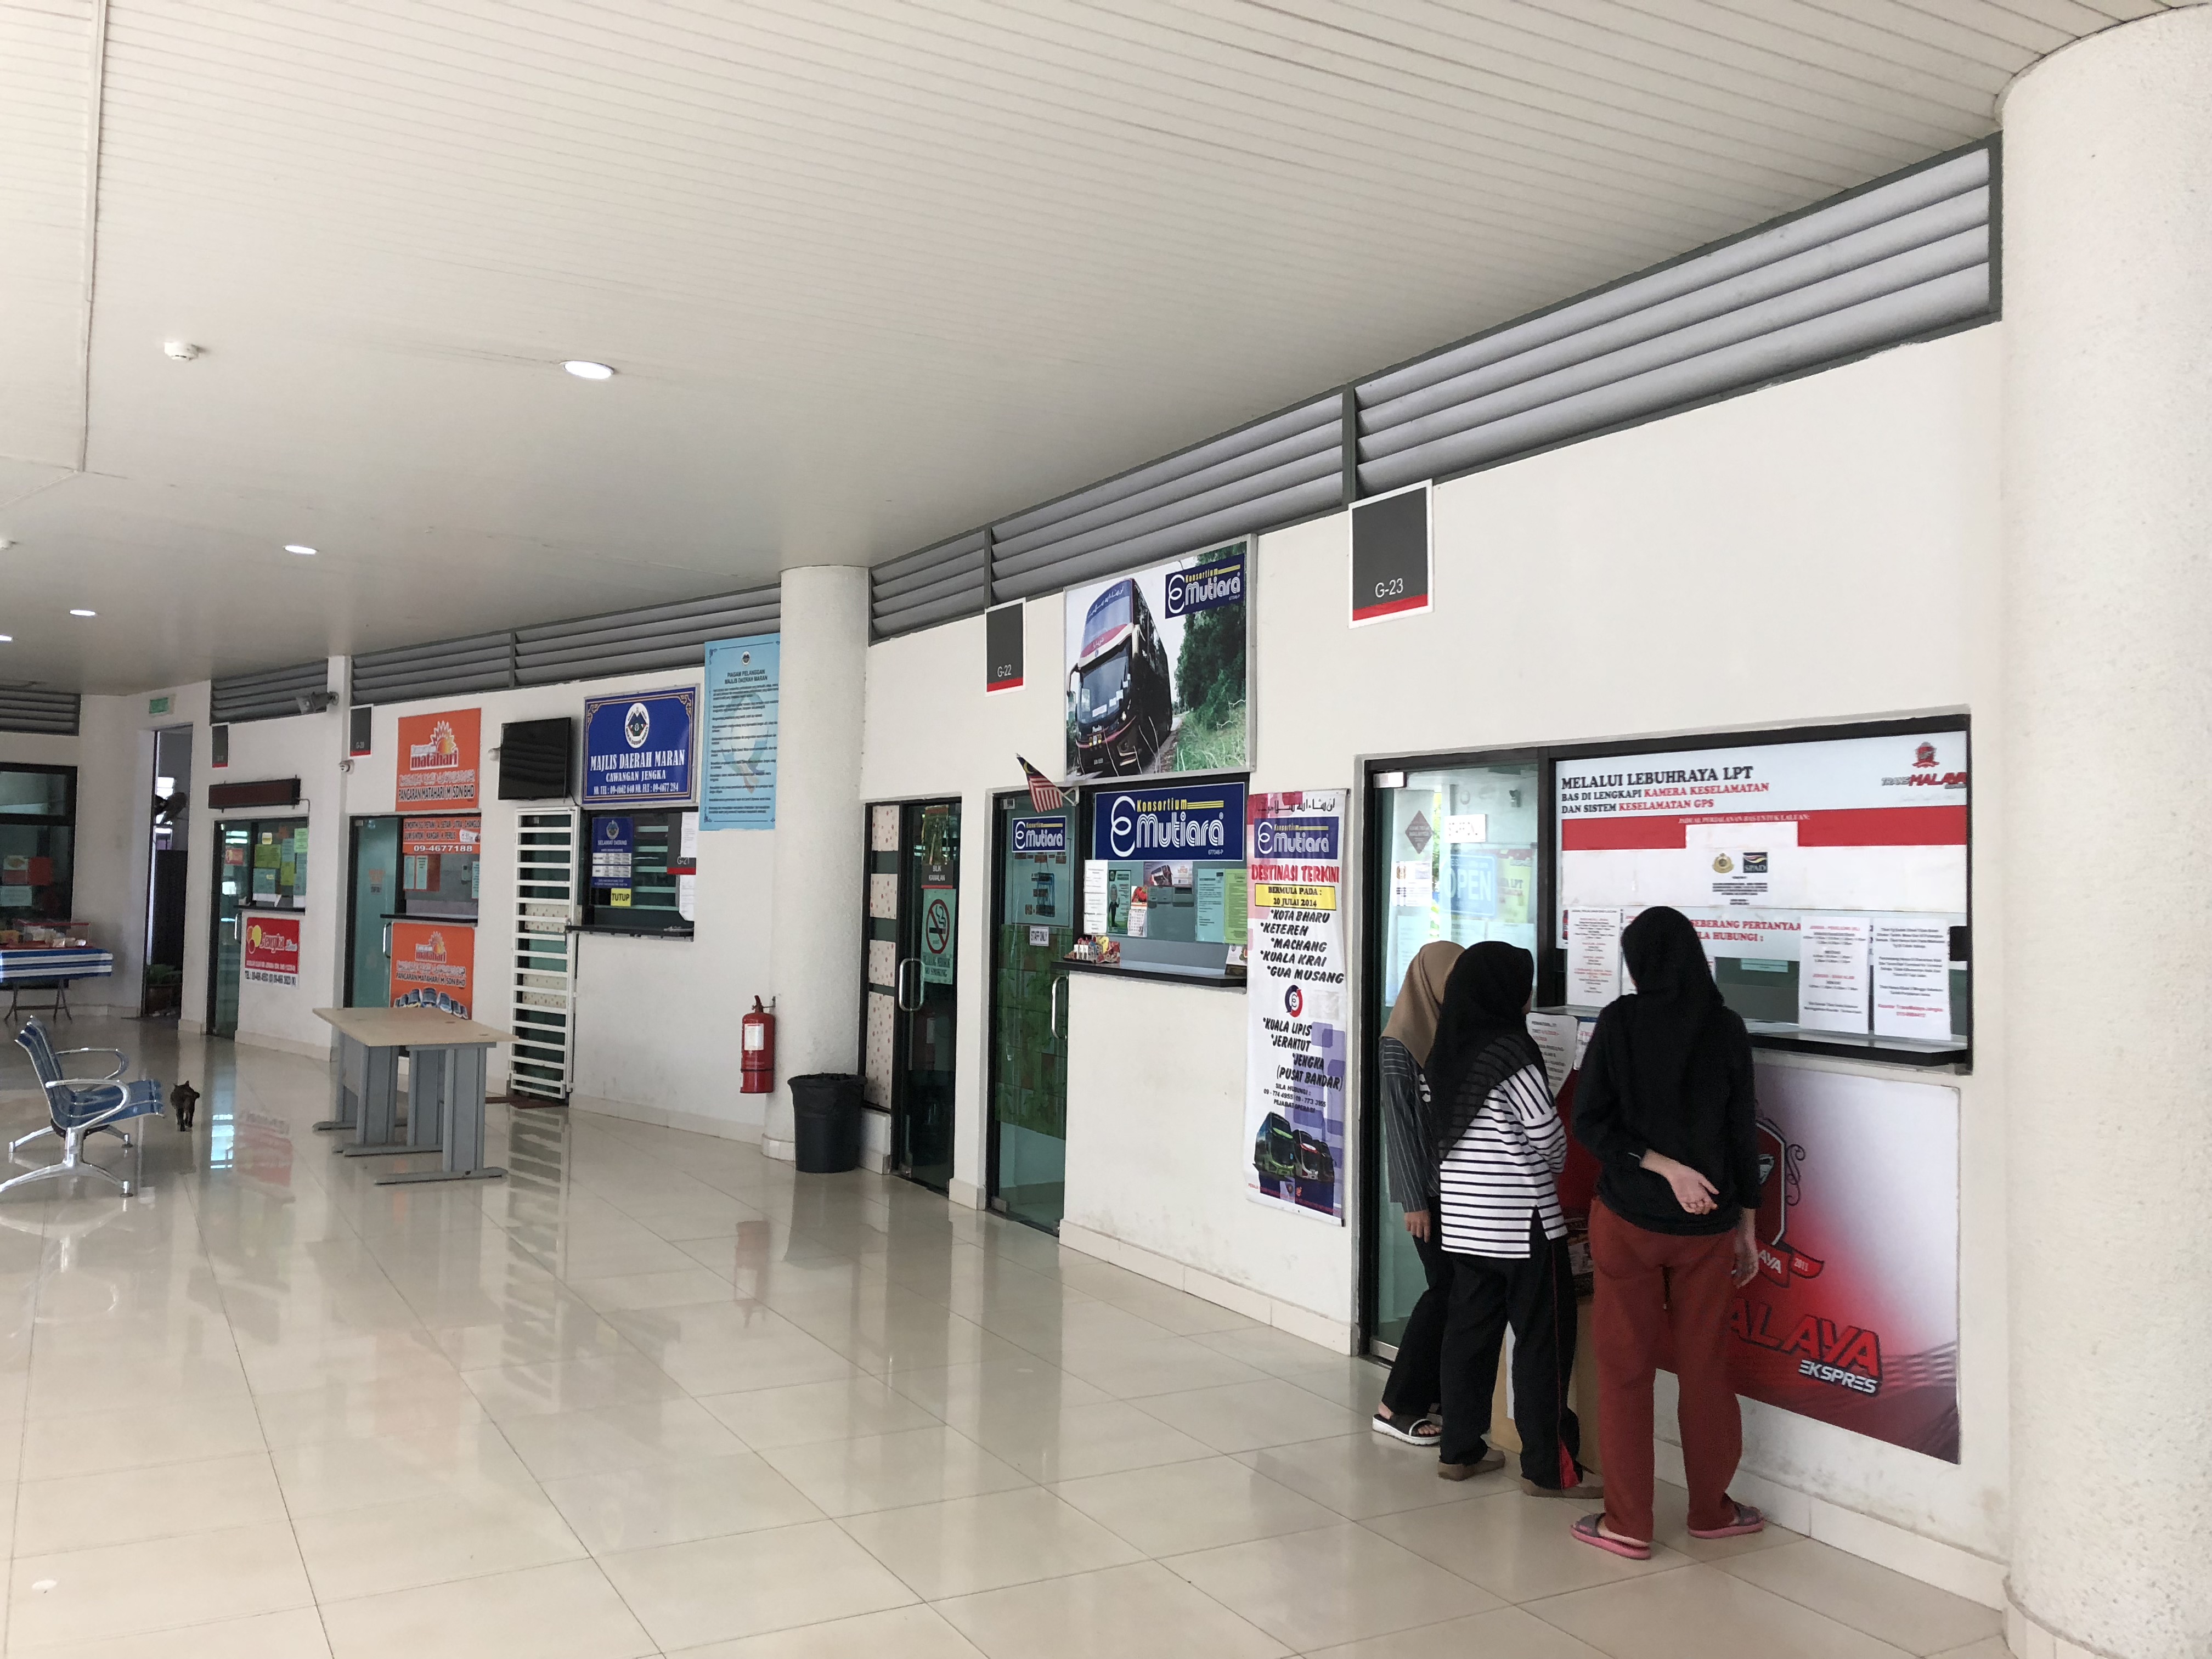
<point>1045,795</point>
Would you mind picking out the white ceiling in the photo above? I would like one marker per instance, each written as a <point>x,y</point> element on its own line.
<point>871,272</point>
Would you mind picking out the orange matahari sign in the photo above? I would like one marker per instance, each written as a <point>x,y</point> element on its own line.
<point>433,964</point>
<point>441,757</point>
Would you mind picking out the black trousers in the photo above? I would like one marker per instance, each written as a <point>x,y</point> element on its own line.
<point>1535,1295</point>
<point>1414,1389</point>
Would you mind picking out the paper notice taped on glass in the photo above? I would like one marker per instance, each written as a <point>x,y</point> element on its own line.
<point>1583,1030</point>
<point>686,846</point>
<point>1593,957</point>
<point>686,895</point>
<point>1911,979</point>
<point>1555,1040</point>
<point>1094,896</point>
<point>1832,978</point>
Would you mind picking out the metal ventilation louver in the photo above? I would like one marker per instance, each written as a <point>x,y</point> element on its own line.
<point>1900,260</point>
<point>642,641</point>
<point>481,662</point>
<point>1285,467</point>
<point>932,586</point>
<point>51,713</point>
<point>267,694</point>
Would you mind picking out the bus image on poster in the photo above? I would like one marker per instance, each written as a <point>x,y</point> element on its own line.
<point>1157,668</point>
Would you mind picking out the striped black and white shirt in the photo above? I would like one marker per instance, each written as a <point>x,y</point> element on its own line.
<point>1504,1166</point>
<point>1407,1134</point>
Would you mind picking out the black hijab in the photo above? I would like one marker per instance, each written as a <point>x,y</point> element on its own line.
<point>1675,993</point>
<point>1482,1035</point>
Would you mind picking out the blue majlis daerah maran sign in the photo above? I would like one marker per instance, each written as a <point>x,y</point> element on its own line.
<point>640,747</point>
<point>1189,820</point>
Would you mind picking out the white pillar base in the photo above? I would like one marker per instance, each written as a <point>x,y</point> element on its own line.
<point>2029,1640</point>
<point>783,1152</point>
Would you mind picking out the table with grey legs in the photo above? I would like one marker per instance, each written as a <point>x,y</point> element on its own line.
<point>446,1057</point>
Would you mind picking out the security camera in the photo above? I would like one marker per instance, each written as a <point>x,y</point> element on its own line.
<point>315,702</point>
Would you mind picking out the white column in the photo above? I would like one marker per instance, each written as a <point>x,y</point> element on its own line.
<point>821,851</point>
<point>2107,827</point>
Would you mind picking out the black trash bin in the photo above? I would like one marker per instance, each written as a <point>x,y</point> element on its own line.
<point>826,1106</point>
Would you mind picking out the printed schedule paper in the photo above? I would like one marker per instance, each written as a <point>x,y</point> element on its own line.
<point>1911,979</point>
<point>1832,973</point>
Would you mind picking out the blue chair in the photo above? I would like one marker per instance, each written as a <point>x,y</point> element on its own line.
<point>78,1107</point>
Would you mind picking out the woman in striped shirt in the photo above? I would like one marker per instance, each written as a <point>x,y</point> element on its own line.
<point>1499,1149</point>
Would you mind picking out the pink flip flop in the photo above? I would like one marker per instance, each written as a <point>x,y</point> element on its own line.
<point>1748,1520</point>
<point>1587,1530</point>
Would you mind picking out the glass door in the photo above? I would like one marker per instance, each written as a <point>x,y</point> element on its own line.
<point>1035,909</point>
<point>1455,857</point>
<point>233,877</point>
<point>927,992</point>
<point>375,889</point>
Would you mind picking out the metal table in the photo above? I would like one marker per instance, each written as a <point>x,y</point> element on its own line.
<point>51,967</point>
<point>445,1094</point>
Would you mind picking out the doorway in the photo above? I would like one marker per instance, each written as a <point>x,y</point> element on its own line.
<point>167,875</point>
<point>925,991</point>
<point>1034,910</point>
<point>371,886</point>
<point>227,944</point>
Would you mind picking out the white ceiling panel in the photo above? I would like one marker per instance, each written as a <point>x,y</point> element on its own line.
<point>871,272</point>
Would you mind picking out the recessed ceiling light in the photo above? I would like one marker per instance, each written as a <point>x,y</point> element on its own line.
<point>84,613</point>
<point>294,547</point>
<point>7,639</point>
<point>584,371</point>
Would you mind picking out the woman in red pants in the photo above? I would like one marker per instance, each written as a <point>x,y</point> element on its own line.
<point>1665,1104</point>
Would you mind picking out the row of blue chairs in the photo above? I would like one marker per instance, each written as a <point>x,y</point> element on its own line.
<point>78,1108</point>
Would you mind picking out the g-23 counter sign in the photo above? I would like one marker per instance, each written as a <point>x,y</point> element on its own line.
<point>640,747</point>
<point>1392,561</point>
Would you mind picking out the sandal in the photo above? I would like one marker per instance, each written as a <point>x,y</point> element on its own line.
<point>1590,1530</point>
<point>1748,1520</point>
<point>1420,1431</point>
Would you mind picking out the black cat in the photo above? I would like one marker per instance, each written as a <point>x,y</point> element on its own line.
<point>183,1101</point>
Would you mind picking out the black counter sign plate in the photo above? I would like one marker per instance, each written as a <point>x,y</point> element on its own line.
<point>1002,648</point>
<point>1390,562</point>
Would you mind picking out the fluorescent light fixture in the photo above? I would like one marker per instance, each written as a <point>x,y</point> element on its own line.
<point>294,547</point>
<point>585,371</point>
<point>84,613</point>
<point>7,639</point>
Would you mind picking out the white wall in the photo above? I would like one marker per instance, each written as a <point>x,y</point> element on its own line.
<point>656,1019</point>
<point>1821,550</point>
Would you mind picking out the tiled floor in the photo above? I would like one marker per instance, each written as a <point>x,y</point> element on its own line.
<point>654,1395</point>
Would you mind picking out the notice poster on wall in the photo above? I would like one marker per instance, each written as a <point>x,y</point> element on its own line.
<point>1296,1008</point>
<point>272,950</point>
<point>1156,669</point>
<point>639,747</point>
<point>940,933</point>
<point>745,703</point>
<point>1853,1316</point>
<point>432,966</point>
<point>440,760</point>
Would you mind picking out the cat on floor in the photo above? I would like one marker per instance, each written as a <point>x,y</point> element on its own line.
<point>183,1101</point>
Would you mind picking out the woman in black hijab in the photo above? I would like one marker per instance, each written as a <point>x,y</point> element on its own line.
<point>1499,1149</point>
<point>1665,1104</point>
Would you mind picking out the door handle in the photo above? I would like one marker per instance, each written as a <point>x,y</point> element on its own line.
<point>387,939</point>
<point>904,1004</point>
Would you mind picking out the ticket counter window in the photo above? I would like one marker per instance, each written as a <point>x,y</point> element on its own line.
<point>642,868</point>
<point>1456,848</point>
<point>37,842</point>
<point>440,866</point>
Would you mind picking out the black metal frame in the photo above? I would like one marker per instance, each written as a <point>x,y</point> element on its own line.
<point>48,821</point>
<point>900,1028</point>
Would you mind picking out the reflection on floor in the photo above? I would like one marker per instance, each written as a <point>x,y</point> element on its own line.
<point>653,1394</point>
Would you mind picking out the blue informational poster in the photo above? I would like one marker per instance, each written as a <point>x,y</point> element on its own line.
<point>640,748</point>
<point>744,699</point>
<point>1173,821</point>
<point>614,849</point>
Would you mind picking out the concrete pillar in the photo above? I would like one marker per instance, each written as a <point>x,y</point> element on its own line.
<point>2107,634</point>
<point>821,878</point>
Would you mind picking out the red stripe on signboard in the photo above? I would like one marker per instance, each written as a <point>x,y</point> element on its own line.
<point>1854,826</point>
<point>1014,684</point>
<point>1411,602</point>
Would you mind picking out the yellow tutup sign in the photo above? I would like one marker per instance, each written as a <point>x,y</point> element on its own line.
<point>1281,895</point>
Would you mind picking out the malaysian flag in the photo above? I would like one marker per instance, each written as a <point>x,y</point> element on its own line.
<point>1045,795</point>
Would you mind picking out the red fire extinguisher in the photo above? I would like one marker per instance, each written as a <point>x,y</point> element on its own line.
<point>759,1047</point>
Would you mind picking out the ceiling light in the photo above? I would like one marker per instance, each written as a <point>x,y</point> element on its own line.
<point>7,639</point>
<point>294,547</point>
<point>183,350</point>
<point>584,371</point>
<point>84,613</point>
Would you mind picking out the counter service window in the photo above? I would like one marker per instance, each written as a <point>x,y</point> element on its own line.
<point>1827,876</point>
<point>1164,880</point>
<point>440,862</point>
<point>643,866</point>
<point>265,864</point>
<point>38,844</point>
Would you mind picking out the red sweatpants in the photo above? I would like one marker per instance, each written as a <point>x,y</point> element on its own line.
<point>1647,1282</point>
